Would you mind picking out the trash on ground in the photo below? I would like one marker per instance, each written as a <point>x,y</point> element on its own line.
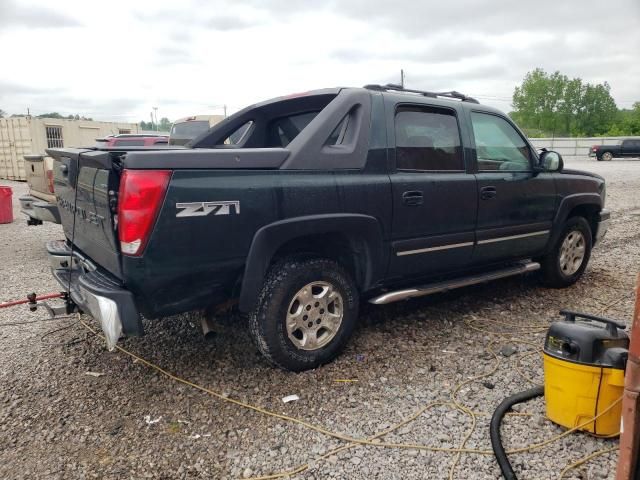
<point>345,380</point>
<point>147,418</point>
<point>94,374</point>
<point>290,398</point>
<point>360,357</point>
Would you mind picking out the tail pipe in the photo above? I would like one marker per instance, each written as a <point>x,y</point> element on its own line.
<point>630,427</point>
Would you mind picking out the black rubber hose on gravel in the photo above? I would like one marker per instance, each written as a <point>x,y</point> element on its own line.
<point>494,429</point>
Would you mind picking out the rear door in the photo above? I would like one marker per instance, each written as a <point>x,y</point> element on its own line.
<point>82,182</point>
<point>630,148</point>
<point>434,197</point>
<point>516,205</point>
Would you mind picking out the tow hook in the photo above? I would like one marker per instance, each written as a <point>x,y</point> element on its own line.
<point>69,305</point>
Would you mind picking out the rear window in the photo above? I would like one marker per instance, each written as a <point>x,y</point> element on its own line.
<point>273,124</point>
<point>128,143</point>
<point>190,129</point>
<point>283,130</point>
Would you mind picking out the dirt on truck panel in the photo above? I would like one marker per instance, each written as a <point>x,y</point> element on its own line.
<point>327,200</point>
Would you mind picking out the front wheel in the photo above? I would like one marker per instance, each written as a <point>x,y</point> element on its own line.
<point>306,313</point>
<point>565,263</point>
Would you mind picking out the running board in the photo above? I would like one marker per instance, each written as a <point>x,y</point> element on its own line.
<point>453,284</point>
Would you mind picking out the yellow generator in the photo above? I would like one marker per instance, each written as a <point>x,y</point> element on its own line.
<point>584,362</point>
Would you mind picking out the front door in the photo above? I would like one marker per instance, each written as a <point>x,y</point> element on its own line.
<point>515,204</point>
<point>631,148</point>
<point>434,198</point>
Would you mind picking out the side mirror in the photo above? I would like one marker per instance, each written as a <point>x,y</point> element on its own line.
<point>551,161</point>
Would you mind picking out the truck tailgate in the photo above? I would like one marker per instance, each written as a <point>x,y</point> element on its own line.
<point>82,182</point>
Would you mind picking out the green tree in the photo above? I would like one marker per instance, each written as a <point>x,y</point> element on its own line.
<point>554,104</point>
<point>165,124</point>
<point>627,122</point>
<point>68,117</point>
<point>51,115</point>
<point>598,111</point>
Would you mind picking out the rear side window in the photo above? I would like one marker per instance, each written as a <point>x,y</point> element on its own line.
<point>498,145</point>
<point>428,139</point>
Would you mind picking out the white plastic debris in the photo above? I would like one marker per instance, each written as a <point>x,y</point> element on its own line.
<point>147,418</point>
<point>94,374</point>
<point>290,398</point>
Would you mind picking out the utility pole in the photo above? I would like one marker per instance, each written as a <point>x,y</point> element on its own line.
<point>155,109</point>
<point>151,115</point>
<point>225,110</point>
<point>402,78</point>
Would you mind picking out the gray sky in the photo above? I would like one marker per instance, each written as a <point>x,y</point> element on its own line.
<point>116,60</point>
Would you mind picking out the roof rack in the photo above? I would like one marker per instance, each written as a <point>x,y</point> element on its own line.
<point>399,88</point>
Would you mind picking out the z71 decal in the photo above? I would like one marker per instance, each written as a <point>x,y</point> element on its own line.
<point>200,209</point>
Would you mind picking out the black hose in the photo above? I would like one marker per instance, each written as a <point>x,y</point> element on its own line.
<point>494,429</point>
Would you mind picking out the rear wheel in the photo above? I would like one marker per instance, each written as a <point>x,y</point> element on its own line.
<point>306,313</point>
<point>607,156</point>
<point>568,259</point>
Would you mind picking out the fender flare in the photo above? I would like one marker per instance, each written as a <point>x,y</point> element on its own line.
<point>567,204</point>
<point>268,239</point>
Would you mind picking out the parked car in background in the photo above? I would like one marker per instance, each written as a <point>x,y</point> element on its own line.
<point>186,129</point>
<point>628,148</point>
<point>133,140</point>
<point>40,205</point>
<point>326,198</point>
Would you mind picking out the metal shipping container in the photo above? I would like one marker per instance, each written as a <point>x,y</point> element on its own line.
<point>20,136</point>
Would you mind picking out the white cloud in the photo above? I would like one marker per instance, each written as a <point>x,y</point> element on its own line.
<point>118,60</point>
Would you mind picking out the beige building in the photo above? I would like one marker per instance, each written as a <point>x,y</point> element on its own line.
<point>22,136</point>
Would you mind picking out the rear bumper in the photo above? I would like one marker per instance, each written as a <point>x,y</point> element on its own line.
<point>39,210</point>
<point>603,225</point>
<point>96,292</point>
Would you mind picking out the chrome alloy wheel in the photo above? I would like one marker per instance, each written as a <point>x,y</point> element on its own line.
<point>606,156</point>
<point>572,252</point>
<point>314,316</point>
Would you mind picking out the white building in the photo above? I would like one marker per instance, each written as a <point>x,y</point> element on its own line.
<point>20,136</point>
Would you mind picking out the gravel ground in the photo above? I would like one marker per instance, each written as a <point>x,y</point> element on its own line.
<point>58,422</point>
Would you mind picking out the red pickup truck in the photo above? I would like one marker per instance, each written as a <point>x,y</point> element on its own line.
<point>133,140</point>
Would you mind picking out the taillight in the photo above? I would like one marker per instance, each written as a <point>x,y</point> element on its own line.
<point>49,176</point>
<point>594,148</point>
<point>139,200</point>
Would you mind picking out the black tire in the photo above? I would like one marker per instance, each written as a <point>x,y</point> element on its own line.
<point>606,156</point>
<point>552,271</point>
<point>283,285</point>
